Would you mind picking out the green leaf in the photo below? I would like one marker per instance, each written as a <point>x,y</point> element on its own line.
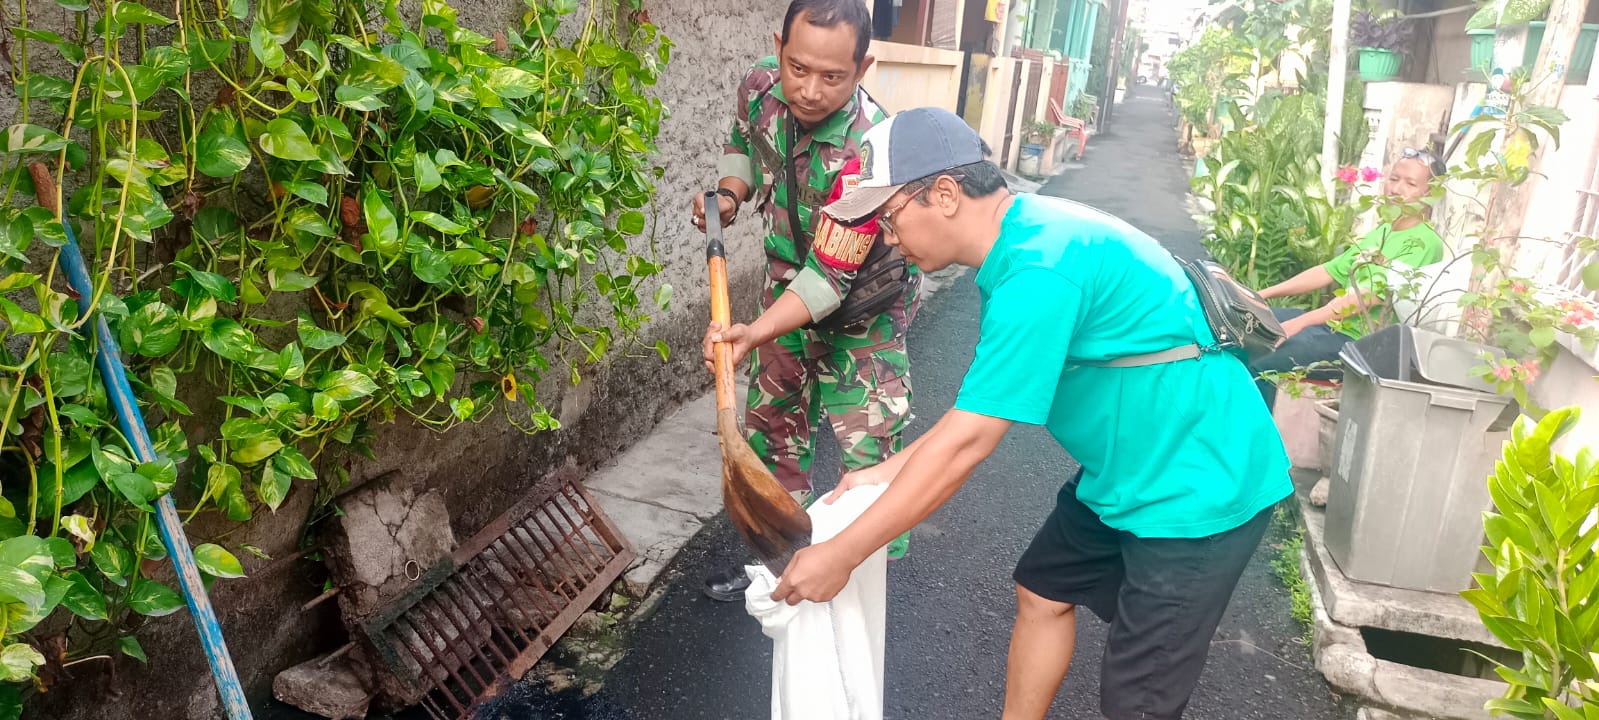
<point>511,82</point>
<point>267,49</point>
<point>273,487</point>
<point>293,462</point>
<point>166,61</point>
<point>69,50</point>
<point>663,350</point>
<point>430,265</point>
<point>428,178</point>
<point>1590,276</point>
<point>290,281</point>
<point>213,224</point>
<point>208,53</point>
<point>251,440</point>
<point>308,191</point>
<point>132,13</point>
<point>518,129</point>
<point>21,321</point>
<point>10,702</point>
<point>152,331</point>
<point>214,284</point>
<point>135,487</point>
<point>287,140</point>
<point>161,473</point>
<point>221,155</point>
<point>316,338</point>
<point>83,599</point>
<point>17,586</point>
<point>17,662</point>
<point>80,528</point>
<point>114,561</point>
<point>438,222</point>
<point>30,139</point>
<point>228,340</point>
<point>324,407</point>
<point>630,223</point>
<point>1542,336</point>
<point>342,385</point>
<point>381,224</point>
<point>356,98</point>
<point>217,562</point>
<point>663,296</point>
<point>129,645</point>
<point>152,599</point>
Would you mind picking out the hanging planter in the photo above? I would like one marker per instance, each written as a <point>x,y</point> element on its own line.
<point>1380,40</point>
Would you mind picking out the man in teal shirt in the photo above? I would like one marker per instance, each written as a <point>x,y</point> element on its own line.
<point>1181,465</point>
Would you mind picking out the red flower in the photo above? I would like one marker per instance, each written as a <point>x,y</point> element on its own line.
<point>1348,174</point>
<point>1368,174</point>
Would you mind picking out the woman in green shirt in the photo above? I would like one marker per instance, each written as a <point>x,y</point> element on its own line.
<point>1407,241</point>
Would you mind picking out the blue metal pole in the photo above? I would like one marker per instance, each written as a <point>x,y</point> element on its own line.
<point>109,359</point>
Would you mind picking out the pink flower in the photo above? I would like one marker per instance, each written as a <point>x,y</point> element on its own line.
<point>1347,174</point>
<point>1503,372</point>
<point>1529,369</point>
<point>1368,174</point>
<point>1518,286</point>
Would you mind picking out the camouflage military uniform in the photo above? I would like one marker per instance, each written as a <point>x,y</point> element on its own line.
<point>859,375</point>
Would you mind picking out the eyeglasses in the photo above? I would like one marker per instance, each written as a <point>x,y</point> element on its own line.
<point>885,219</point>
<point>1434,165</point>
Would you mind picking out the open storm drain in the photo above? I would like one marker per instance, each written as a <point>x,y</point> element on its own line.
<point>477,621</point>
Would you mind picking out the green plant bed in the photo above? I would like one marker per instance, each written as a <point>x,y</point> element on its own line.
<point>1378,65</point>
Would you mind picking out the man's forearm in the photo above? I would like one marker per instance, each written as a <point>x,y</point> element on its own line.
<point>787,314</point>
<point>937,466</point>
<point>1310,280</point>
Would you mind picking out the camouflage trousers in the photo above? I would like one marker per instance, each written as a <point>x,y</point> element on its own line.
<point>860,380</point>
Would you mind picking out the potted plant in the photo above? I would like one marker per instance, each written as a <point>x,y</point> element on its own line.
<point>1494,15</point>
<point>1037,137</point>
<point>1380,39</point>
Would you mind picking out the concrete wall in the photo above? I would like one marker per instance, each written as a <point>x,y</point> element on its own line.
<point>479,468</point>
<point>1402,115</point>
<point>909,76</point>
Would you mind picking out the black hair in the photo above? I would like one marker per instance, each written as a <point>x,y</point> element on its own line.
<point>832,13</point>
<point>978,179</point>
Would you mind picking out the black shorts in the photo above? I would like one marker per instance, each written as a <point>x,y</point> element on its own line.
<point>1162,597</point>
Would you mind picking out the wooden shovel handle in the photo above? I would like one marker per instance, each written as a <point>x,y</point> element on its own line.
<point>721,306</point>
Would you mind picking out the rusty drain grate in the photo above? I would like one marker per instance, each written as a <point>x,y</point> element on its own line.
<point>481,618</point>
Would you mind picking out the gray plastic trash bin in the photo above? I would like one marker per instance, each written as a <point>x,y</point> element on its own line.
<point>1409,479</point>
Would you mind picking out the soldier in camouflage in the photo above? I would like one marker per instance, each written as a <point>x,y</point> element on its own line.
<point>859,374</point>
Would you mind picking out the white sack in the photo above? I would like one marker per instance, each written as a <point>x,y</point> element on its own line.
<point>827,658</point>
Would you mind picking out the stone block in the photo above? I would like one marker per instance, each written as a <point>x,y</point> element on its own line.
<point>329,688</point>
<point>389,534</point>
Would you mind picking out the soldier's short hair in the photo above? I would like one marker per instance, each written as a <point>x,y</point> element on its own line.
<point>832,13</point>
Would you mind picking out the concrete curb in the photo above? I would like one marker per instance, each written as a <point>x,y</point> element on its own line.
<point>664,489</point>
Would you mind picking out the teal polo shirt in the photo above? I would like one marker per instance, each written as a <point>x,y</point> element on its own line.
<point>1177,450</point>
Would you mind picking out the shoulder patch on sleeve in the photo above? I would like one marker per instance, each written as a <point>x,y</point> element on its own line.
<point>841,247</point>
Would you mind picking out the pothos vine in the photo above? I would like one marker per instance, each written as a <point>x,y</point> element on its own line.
<point>323,213</point>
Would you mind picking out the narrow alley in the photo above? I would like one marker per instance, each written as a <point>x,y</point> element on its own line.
<point>950,600</point>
